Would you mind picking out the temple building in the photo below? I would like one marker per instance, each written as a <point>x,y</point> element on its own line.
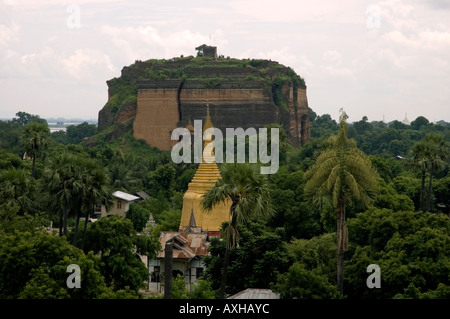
<point>191,241</point>
<point>206,175</point>
<point>190,245</point>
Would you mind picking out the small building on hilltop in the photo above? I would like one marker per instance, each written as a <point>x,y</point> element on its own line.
<point>210,52</point>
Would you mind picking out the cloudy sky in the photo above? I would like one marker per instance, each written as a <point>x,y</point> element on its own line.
<point>377,59</point>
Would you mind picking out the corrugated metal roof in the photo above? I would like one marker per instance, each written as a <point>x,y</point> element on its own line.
<point>186,245</point>
<point>124,196</point>
<point>143,195</point>
<point>254,293</point>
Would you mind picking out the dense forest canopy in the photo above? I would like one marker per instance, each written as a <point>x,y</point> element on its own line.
<point>405,229</point>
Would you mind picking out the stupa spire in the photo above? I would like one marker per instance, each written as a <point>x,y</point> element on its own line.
<point>204,178</point>
<point>192,219</point>
<point>208,124</point>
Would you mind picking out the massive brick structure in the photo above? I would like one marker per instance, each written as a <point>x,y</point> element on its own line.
<point>158,96</point>
<point>157,113</point>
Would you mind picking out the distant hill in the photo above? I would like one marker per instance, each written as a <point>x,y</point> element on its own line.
<point>153,97</point>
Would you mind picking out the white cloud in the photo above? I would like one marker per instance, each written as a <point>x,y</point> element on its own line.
<point>303,66</point>
<point>87,64</point>
<point>332,56</point>
<point>144,41</point>
<point>8,34</point>
<point>299,10</point>
<point>10,2</point>
<point>337,71</point>
<point>40,3</point>
<point>284,56</point>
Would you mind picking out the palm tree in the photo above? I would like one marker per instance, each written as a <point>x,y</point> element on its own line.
<point>341,173</point>
<point>249,194</point>
<point>74,183</point>
<point>122,176</point>
<point>429,154</point>
<point>17,187</point>
<point>35,139</point>
<point>438,154</point>
<point>419,161</point>
<point>96,191</point>
<point>62,184</point>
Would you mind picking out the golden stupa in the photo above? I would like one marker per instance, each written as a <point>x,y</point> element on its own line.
<point>206,175</point>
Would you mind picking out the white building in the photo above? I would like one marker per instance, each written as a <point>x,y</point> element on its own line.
<point>120,204</point>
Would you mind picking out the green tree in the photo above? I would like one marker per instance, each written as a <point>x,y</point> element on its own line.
<point>249,195</point>
<point>199,290</point>
<point>441,189</point>
<point>183,179</point>
<point>398,125</point>
<point>199,50</point>
<point>411,248</point>
<point>387,167</point>
<point>95,191</point>
<point>60,137</point>
<point>260,257</point>
<point>9,160</point>
<point>313,271</point>
<point>34,265</point>
<point>18,187</point>
<point>11,221</point>
<point>202,290</point>
<point>438,155</point>
<point>409,186</point>
<point>419,162</point>
<point>123,173</point>
<point>397,147</point>
<point>323,125</point>
<point>75,133</point>
<point>301,283</point>
<point>138,216</point>
<point>341,174</point>
<point>161,181</point>
<point>362,126</point>
<point>23,118</point>
<point>116,242</point>
<point>430,154</point>
<point>419,122</point>
<point>169,220</point>
<point>388,197</point>
<point>74,183</point>
<point>317,253</point>
<point>35,139</point>
<point>298,219</point>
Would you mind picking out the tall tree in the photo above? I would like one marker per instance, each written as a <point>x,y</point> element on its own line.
<point>116,241</point>
<point>430,154</point>
<point>96,191</point>
<point>23,118</point>
<point>17,187</point>
<point>35,139</point>
<point>74,183</point>
<point>33,266</point>
<point>248,191</point>
<point>76,133</point>
<point>438,155</point>
<point>419,161</point>
<point>341,174</point>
